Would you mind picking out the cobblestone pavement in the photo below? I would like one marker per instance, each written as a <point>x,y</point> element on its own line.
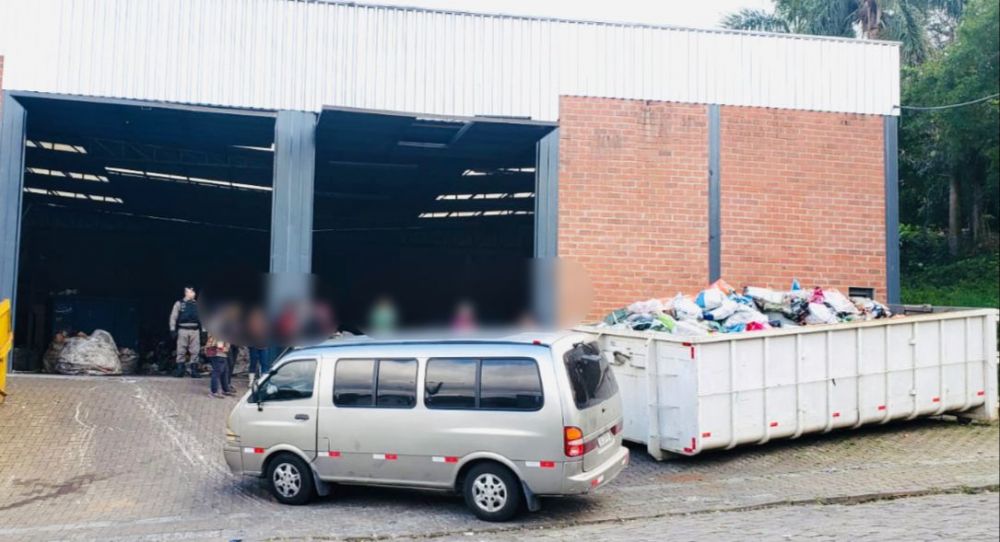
<point>84,458</point>
<point>937,517</point>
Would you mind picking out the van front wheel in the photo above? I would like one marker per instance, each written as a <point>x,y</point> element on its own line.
<point>290,479</point>
<point>492,492</point>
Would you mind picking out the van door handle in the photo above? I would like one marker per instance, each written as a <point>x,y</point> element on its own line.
<point>301,416</point>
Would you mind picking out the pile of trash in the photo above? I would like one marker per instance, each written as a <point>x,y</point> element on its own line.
<point>721,309</point>
<point>94,354</point>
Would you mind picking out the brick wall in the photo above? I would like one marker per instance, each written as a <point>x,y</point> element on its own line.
<point>632,197</point>
<point>803,195</point>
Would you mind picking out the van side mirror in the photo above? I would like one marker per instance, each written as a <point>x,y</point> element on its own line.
<point>255,394</point>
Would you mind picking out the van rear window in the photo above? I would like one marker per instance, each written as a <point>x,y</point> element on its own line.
<point>590,375</point>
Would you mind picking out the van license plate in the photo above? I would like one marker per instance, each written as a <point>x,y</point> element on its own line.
<point>604,440</point>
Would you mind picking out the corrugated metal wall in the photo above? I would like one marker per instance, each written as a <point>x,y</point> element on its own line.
<point>286,54</point>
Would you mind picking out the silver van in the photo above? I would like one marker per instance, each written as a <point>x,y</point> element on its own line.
<point>501,421</point>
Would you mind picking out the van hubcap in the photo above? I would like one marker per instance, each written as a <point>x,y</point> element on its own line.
<point>489,492</point>
<point>287,480</point>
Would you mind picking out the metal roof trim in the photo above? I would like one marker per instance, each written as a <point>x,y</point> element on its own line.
<point>677,28</point>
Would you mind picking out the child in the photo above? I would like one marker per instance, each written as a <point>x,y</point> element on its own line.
<point>217,352</point>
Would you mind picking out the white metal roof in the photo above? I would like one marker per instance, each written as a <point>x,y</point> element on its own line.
<point>294,54</point>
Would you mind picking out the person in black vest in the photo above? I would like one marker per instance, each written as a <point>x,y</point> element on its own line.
<point>185,328</point>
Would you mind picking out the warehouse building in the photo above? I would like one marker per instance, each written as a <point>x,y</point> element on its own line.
<point>144,141</point>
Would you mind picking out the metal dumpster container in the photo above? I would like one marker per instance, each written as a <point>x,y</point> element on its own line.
<point>685,395</point>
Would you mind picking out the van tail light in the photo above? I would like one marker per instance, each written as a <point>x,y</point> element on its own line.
<point>573,440</point>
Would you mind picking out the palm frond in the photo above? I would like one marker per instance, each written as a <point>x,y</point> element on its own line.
<point>755,19</point>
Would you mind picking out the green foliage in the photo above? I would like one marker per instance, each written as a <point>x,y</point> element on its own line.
<point>918,24</point>
<point>960,142</point>
<point>969,282</point>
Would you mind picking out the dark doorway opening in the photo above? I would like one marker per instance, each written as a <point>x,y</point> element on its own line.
<point>427,211</point>
<point>127,202</point>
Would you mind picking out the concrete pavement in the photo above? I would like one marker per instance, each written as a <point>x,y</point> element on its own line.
<point>139,458</point>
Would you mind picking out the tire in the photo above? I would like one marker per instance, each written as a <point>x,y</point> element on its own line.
<point>290,479</point>
<point>492,492</point>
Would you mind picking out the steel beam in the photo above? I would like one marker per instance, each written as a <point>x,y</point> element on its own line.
<point>891,159</point>
<point>13,130</point>
<point>714,195</point>
<point>545,296</point>
<point>292,196</point>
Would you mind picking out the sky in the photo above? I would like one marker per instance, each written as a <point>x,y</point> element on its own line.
<point>690,13</point>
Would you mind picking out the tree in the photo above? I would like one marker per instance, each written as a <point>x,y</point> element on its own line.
<point>918,24</point>
<point>954,151</point>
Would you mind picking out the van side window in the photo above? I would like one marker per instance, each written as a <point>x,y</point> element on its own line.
<point>484,384</point>
<point>451,383</point>
<point>293,380</point>
<point>510,384</point>
<point>353,382</point>
<point>384,383</point>
<point>396,383</point>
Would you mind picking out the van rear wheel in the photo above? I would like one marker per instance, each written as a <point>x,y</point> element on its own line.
<point>290,479</point>
<point>492,492</point>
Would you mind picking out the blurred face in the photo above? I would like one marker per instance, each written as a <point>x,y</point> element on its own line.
<point>189,293</point>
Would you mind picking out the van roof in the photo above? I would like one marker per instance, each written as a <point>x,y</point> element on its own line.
<point>539,338</point>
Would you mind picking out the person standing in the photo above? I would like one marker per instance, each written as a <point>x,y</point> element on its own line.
<point>217,352</point>
<point>260,362</point>
<point>185,328</point>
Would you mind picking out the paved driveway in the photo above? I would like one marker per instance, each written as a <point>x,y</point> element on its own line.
<point>140,458</point>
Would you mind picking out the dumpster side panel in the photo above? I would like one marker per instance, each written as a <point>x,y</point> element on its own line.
<point>628,357</point>
<point>721,392</point>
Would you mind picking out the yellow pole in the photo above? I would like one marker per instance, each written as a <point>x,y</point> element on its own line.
<point>6,343</point>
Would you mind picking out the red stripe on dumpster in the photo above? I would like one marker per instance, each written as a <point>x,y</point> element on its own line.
<point>836,414</point>
<point>706,435</point>
<point>881,407</point>
<point>691,346</point>
<point>333,454</point>
<point>774,424</point>
<point>980,393</point>
<point>936,400</point>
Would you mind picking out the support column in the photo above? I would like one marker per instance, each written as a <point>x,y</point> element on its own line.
<point>292,195</point>
<point>545,296</point>
<point>13,130</point>
<point>891,158</point>
<point>714,196</point>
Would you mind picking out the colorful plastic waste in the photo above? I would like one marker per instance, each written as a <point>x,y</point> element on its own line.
<point>685,309</point>
<point>721,309</point>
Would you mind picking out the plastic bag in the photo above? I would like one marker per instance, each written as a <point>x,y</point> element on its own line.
<point>817,295</point>
<point>797,310</point>
<point>819,313</point>
<point>685,309</point>
<point>840,304</point>
<point>723,311</point>
<point>93,355</point>
<point>745,315</point>
<point>690,328</point>
<point>723,287</point>
<point>650,306</point>
<point>871,309</point>
<point>710,298</point>
<point>764,295</point>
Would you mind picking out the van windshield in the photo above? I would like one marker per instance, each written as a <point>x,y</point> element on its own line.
<point>590,375</point>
